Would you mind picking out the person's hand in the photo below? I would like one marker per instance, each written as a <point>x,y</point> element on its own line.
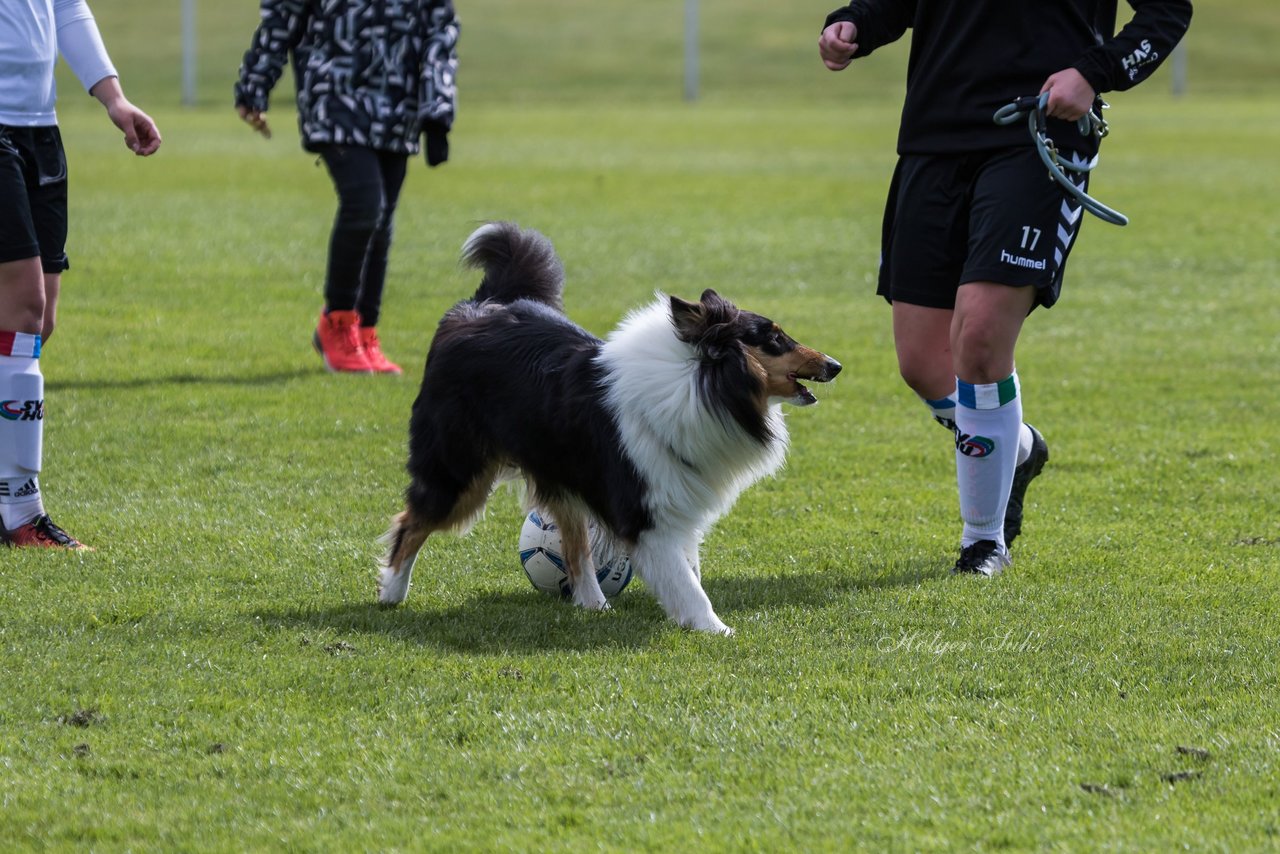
<point>256,119</point>
<point>836,45</point>
<point>437,147</point>
<point>140,132</point>
<point>1070,95</point>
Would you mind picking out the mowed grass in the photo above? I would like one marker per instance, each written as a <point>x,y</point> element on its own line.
<point>216,677</point>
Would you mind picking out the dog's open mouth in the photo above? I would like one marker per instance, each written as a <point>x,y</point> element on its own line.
<point>802,395</point>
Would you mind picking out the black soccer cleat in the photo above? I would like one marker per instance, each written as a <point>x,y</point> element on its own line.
<point>1022,477</point>
<point>985,558</point>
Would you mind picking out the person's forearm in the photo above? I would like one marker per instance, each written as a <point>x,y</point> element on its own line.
<point>107,90</point>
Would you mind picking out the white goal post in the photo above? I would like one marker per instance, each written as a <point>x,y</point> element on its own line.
<point>189,53</point>
<point>691,50</point>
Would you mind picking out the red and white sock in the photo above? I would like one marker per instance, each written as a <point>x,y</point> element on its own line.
<point>21,428</point>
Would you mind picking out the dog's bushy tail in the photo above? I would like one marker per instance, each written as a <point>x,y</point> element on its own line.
<point>517,263</point>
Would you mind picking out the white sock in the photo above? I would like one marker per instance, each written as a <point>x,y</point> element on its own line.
<point>988,424</point>
<point>21,428</point>
<point>943,410</point>
<point>1024,444</point>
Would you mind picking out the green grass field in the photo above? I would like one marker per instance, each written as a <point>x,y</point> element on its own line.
<point>216,677</point>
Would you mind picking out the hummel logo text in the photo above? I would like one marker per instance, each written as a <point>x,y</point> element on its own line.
<point>1019,261</point>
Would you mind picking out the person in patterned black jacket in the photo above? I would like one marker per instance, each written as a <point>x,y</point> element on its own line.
<point>373,77</point>
<point>975,236</point>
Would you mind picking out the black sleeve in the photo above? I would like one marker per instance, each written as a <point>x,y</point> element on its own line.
<point>879,22</point>
<point>1133,54</point>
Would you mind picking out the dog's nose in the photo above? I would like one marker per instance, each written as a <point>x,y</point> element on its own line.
<point>833,368</point>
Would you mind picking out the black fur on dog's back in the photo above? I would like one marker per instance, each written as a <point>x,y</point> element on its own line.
<point>511,380</point>
<point>517,264</point>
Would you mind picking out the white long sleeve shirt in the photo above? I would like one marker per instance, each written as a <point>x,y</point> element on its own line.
<point>32,34</point>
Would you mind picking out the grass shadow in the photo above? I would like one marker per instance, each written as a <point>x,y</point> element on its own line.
<point>525,621</point>
<point>813,589</point>
<point>273,378</point>
<point>489,623</point>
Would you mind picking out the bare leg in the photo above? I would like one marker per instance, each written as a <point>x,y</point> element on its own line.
<point>922,339</point>
<point>22,296</point>
<point>52,286</point>
<point>988,319</point>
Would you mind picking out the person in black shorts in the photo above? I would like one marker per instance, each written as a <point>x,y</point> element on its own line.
<point>975,236</point>
<point>33,232</point>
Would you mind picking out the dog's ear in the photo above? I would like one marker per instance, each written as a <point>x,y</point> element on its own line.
<point>708,325</point>
<point>688,318</point>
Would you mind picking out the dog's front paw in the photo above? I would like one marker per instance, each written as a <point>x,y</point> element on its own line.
<point>710,624</point>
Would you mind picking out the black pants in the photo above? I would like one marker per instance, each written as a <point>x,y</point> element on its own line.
<point>368,184</point>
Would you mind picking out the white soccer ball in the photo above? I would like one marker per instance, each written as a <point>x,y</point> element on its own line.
<point>543,561</point>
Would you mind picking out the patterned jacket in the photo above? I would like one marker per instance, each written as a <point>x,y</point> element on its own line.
<point>373,73</point>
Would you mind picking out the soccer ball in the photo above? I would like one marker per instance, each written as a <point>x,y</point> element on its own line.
<point>543,561</point>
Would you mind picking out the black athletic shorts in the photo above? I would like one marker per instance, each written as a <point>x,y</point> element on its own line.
<point>33,196</point>
<point>990,216</point>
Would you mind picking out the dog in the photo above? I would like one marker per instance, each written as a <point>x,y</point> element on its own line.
<point>652,433</point>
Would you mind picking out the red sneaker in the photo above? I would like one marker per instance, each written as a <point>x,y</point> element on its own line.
<point>373,351</point>
<point>337,340</point>
<point>40,532</point>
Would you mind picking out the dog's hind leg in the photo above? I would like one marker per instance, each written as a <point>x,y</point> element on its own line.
<point>406,536</point>
<point>579,564</point>
<point>428,509</point>
<point>664,564</point>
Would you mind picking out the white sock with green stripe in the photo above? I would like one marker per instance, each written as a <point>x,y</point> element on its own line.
<point>943,410</point>
<point>988,428</point>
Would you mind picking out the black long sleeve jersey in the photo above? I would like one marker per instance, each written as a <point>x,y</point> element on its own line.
<point>970,58</point>
<point>368,72</point>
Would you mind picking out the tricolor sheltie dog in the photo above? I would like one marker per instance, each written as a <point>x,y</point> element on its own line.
<point>652,433</point>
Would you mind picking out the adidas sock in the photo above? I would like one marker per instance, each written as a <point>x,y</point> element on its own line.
<point>988,426</point>
<point>21,428</point>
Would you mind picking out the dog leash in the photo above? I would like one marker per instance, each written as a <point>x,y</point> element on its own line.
<point>1090,124</point>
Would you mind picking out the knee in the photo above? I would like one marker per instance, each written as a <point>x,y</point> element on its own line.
<point>382,230</point>
<point>916,380</point>
<point>22,297</point>
<point>979,358</point>
<point>930,379</point>
<point>362,209</point>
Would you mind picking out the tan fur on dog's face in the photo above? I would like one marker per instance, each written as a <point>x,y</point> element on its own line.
<point>779,373</point>
<point>774,358</point>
